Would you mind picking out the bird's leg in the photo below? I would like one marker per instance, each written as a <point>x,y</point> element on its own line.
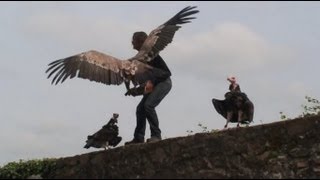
<point>229,116</point>
<point>239,117</point>
<point>106,146</point>
<point>127,83</point>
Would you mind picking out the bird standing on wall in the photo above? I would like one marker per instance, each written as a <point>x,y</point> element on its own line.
<point>107,136</point>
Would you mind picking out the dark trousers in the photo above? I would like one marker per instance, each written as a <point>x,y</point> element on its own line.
<point>146,110</point>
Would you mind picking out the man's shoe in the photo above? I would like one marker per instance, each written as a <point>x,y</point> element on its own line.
<point>153,139</point>
<point>134,141</point>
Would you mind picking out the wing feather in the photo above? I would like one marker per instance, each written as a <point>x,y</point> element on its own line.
<point>99,67</point>
<point>160,37</point>
<point>91,65</point>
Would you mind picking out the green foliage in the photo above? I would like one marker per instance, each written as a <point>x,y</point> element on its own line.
<point>189,132</point>
<point>312,107</point>
<point>283,116</point>
<point>24,169</point>
<point>204,129</point>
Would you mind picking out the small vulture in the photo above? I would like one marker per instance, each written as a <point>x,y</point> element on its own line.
<point>235,108</point>
<point>107,136</point>
<point>100,67</point>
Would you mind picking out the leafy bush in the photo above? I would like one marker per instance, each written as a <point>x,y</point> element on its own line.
<point>283,116</point>
<point>312,107</point>
<point>24,169</point>
<point>204,129</point>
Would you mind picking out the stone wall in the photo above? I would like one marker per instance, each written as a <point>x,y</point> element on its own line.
<point>285,149</point>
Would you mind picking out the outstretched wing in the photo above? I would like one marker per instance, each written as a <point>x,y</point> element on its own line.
<point>99,67</point>
<point>92,65</point>
<point>160,37</point>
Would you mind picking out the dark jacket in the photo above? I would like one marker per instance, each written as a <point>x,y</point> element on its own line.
<point>161,71</point>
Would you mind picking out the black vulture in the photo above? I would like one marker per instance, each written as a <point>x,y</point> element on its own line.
<point>235,108</point>
<point>107,136</point>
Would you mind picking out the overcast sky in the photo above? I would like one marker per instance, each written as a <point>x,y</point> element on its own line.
<point>271,47</point>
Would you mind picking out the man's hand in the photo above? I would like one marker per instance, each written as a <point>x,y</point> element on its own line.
<point>148,88</point>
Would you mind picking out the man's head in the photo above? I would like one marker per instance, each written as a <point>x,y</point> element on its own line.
<point>138,39</point>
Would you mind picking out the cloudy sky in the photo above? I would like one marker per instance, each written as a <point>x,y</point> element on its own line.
<point>271,47</point>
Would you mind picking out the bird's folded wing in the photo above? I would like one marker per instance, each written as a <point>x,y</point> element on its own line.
<point>92,65</point>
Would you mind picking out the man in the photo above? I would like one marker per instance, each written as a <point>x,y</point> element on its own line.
<point>155,90</point>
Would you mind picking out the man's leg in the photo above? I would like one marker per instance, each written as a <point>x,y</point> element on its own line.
<point>153,100</point>
<point>141,120</point>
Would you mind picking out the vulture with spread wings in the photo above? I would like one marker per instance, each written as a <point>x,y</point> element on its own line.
<point>100,67</point>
